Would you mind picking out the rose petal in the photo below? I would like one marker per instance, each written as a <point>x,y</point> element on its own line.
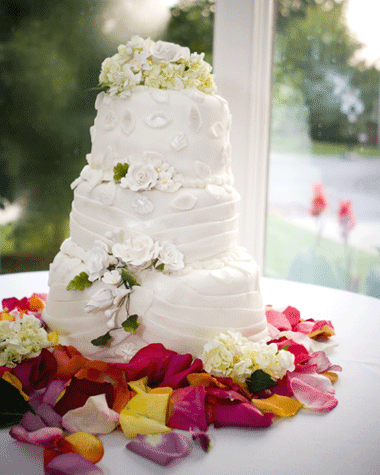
<point>84,444</point>
<point>281,406</point>
<point>162,448</point>
<point>152,405</point>
<point>45,436</point>
<point>71,464</point>
<point>317,381</point>
<point>95,417</point>
<point>311,397</point>
<point>240,415</point>
<point>293,315</point>
<point>322,362</point>
<point>134,424</point>
<point>203,438</point>
<point>35,373</point>
<point>188,408</point>
<point>278,320</point>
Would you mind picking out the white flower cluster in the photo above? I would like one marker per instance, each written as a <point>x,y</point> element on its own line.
<point>133,254</point>
<point>232,355</point>
<point>158,64</point>
<point>151,172</point>
<point>21,338</point>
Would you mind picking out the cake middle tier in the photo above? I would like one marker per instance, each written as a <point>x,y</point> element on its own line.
<point>201,224</point>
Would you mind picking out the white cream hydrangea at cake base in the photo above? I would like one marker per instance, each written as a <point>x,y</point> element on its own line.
<point>152,255</point>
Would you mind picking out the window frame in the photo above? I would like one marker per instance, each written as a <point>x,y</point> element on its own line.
<point>243,63</point>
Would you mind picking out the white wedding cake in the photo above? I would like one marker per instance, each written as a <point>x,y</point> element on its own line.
<point>153,255</point>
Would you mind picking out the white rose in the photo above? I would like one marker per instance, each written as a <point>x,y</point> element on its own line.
<point>102,299</point>
<point>97,260</point>
<point>137,251</point>
<point>119,294</point>
<point>164,51</point>
<point>171,257</point>
<point>140,177</point>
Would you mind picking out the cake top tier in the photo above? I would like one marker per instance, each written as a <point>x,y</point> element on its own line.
<point>157,64</point>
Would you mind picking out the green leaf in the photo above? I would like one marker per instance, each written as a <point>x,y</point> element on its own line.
<point>101,340</point>
<point>13,405</point>
<point>79,282</point>
<point>160,267</point>
<point>131,324</point>
<point>120,170</point>
<point>259,380</point>
<point>285,347</point>
<point>128,277</point>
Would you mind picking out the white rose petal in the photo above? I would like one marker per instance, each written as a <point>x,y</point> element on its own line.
<point>97,260</point>
<point>137,251</point>
<point>140,177</point>
<point>171,257</point>
<point>102,299</point>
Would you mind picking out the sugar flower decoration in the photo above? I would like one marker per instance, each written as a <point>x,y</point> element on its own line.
<point>158,64</point>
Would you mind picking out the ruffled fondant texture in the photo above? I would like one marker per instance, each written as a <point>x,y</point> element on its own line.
<point>181,193</point>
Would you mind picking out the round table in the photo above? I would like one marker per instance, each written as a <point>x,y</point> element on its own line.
<point>343,441</point>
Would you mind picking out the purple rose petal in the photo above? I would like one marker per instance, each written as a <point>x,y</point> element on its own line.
<point>71,464</point>
<point>49,416</point>
<point>32,422</point>
<point>161,448</point>
<point>203,438</point>
<point>45,436</point>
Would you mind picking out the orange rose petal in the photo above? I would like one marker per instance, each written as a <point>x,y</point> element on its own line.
<point>331,375</point>
<point>325,331</point>
<point>82,443</point>
<point>204,379</point>
<point>281,406</point>
<point>122,396</point>
<point>36,303</point>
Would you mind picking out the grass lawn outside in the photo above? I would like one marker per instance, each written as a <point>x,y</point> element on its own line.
<point>286,242</point>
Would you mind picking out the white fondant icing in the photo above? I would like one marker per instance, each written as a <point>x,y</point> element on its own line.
<point>218,288</point>
<point>110,121</point>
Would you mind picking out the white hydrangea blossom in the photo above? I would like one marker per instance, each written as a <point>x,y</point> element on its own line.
<point>22,338</point>
<point>233,355</point>
<point>156,64</point>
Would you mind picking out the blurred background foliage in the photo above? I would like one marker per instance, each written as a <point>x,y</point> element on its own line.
<point>50,56</point>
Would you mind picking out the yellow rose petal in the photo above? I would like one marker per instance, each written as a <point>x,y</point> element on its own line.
<point>281,406</point>
<point>87,445</point>
<point>133,424</point>
<point>152,405</point>
<point>6,316</point>
<point>141,385</point>
<point>331,375</point>
<point>53,337</point>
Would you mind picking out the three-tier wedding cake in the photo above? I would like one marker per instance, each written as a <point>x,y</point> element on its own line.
<point>152,255</point>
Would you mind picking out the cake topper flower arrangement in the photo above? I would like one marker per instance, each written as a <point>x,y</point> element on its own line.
<point>157,64</point>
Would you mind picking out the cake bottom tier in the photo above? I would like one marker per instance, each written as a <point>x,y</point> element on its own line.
<point>181,311</point>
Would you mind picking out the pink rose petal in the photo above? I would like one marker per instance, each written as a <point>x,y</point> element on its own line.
<point>315,380</point>
<point>71,464</point>
<point>311,397</point>
<point>189,411</point>
<point>203,438</point>
<point>293,315</point>
<point>240,415</point>
<point>278,320</point>
<point>45,436</point>
<point>323,363</point>
<point>161,448</point>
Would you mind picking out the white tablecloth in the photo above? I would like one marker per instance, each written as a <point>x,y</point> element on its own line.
<point>344,441</point>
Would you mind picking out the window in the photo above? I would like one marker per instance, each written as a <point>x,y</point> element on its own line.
<point>50,57</point>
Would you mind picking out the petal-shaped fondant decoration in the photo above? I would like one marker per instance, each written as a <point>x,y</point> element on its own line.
<point>184,202</point>
<point>108,193</point>
<point>226,155</point>
<point>202,169</point>
<point>179,141</point>
<point>160,95</point>
<point>110,121</point>
<point>195,119</point>
<point>158,120</point>
<point>128,122</point>
<point>217,129</point>
<point>195,94</point>
<point>215,191</point>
